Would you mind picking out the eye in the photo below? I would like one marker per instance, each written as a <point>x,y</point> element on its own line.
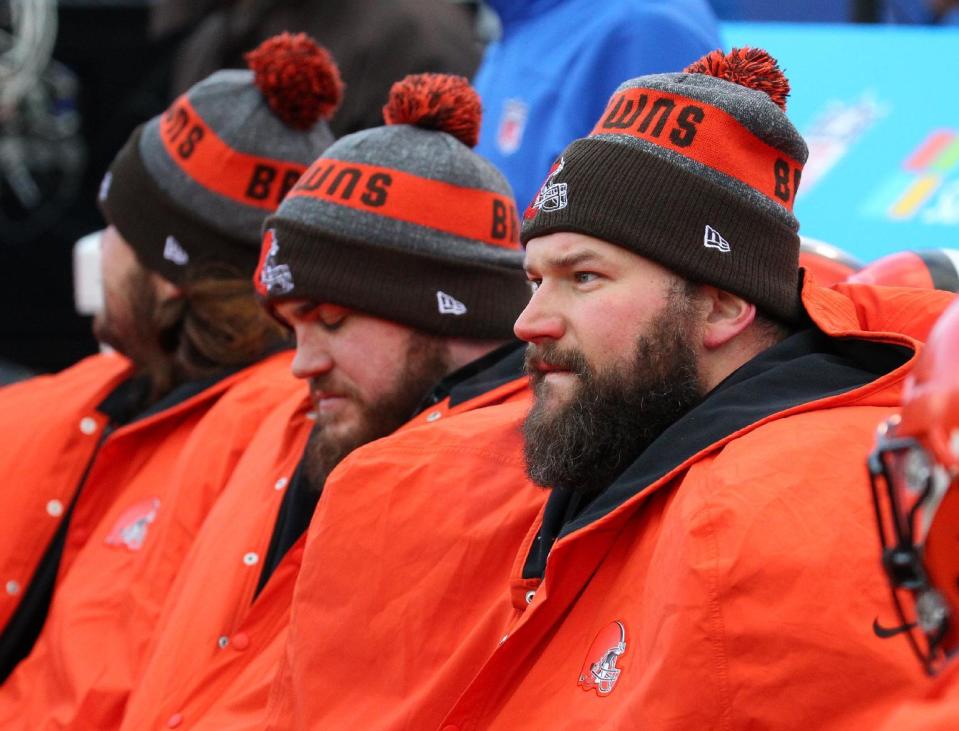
<point>585,277</point>
<point>327,316</point>
<point>331,322</point>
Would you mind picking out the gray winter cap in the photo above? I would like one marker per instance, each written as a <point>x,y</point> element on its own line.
<point>404,222</point>
<point>194,184</point>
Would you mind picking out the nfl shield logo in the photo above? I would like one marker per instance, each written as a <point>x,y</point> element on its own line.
<point>511,126</point>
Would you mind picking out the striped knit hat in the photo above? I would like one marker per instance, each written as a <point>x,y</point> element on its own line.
<point>404,222</point>
<point>697,171</point>
<point>193,185</point>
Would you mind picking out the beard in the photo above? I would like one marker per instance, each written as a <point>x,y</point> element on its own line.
<point>135,323</point>
<point>425,362</point>
<point>616,412</point>
<point>125,323</point>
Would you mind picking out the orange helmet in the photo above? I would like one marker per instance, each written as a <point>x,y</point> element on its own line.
<point>828,264</point>
<point>915,481</point>
<point>928,269</point>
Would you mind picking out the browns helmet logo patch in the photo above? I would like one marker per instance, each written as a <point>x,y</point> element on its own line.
<point>552,196</point>
<point>599,671</point>
<point>273,278</point>
<point>130,530</point>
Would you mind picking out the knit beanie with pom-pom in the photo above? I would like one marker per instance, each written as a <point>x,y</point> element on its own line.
<point>696,171</point>
<point>193,185</point>
<point>404,222</point>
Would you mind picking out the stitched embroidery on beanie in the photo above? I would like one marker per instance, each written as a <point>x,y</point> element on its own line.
<point>712,239</point>
<point>276,278</point>
<point>174,251</point>
<point>552,196</point>
<point>449,305</point>
<point>105,186</point>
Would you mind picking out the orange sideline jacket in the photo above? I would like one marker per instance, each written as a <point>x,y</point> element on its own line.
<point>728,580</point>
<point>127,547</point>
<point>51,429</point>
<point>936,709</point>
<point>218,644</point>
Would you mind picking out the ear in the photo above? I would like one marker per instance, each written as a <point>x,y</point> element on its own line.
<point>727,315</point>
<point>166,290</point>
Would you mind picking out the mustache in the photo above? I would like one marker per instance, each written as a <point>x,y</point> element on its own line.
<point>551,356</point>
<point>327,384</point>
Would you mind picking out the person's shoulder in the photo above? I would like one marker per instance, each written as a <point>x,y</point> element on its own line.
<point>795,465</point>
<point>677,14</point>
<point>488,433</point>
<point>94,374</point>
<point>788,440</point>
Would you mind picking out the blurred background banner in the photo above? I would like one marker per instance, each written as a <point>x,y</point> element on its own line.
<point>879,107</point>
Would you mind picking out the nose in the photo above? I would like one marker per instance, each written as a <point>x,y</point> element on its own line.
<point>313,356</point>
<point>540,320</point>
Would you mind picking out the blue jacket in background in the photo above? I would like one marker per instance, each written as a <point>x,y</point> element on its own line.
<point>547,80</point>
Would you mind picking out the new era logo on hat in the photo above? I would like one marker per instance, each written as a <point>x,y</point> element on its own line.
<point>174,251</point>
<point>105,186</point>
<point>448,305</point>
<point>712,239</point>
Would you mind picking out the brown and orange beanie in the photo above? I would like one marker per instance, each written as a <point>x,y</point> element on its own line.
<point>697,171</point>
<point>193,185</point>
<point>404,222</point>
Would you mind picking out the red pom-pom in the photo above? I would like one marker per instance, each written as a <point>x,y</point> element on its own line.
<point>753,68</point>
<point>436,101</point>
<point>298,77</point>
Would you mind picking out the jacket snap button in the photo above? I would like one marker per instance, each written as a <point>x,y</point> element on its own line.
<point>222,642</point>
<point>13,587</point>
<point>55,508</point>
<point>529,596</point>
<point>240,641</point>
<point>250,559</point>
<point>175,720</point>
<point>433,416</point>
<point>88,425</point>
<point>280,484</point>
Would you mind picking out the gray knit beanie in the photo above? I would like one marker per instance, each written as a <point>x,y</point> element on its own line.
<point>697,171</point>
<point>404,222</point>
<point>193,185</point>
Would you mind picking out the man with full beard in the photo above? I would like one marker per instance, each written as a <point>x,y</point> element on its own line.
<point>90,454</point>
<point>395,260</point>
<point>701,416</point>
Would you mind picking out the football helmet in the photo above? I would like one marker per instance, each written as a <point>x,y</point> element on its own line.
<point>915,483</point>
<point>828,264</point>
<point>928,269</point>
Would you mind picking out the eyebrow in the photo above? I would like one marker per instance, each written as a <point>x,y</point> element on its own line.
<point>572,260</point>
<point>301,309</point>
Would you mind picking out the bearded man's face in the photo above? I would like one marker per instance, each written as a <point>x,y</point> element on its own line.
<point>612,359</point>
<point>129,322</point>
<point>367,376</point>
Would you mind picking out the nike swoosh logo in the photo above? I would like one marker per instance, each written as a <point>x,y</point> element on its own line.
<point>887,632</point>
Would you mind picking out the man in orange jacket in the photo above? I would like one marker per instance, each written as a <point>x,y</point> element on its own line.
<point>92,454</point>
<point>396,261</point>
<point>705,558</point>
